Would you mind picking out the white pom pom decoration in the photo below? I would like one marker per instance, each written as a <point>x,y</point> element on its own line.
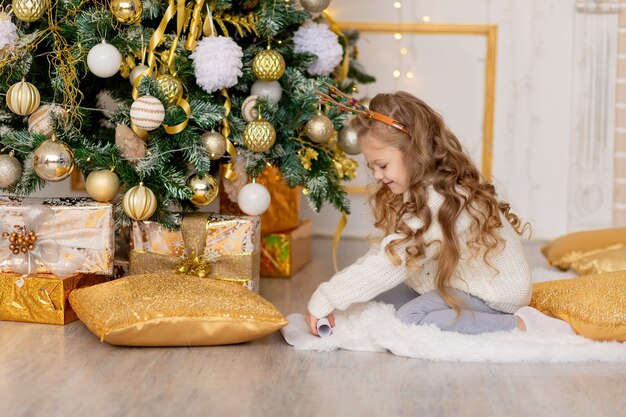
<point>217,63</point>
<point>253,199</point>
<point>318,39</point>
<point>8,30</point>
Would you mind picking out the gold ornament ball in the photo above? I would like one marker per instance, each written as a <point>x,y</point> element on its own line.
<point>139,203</point>
<point>171,88</point>
<point>53,160</point>
<point>10,171</point>
<point>23,98</point>
<point>136,72</point>
<point>259,135</point>
<point>126,12</point>
<point>314,6</point>
<point>204,189</point>
<point>268,65</point>
<point>347,140</point>
<point>30,10</point>
<point>320,128</point>
<point>40,122</point>
<point>102,185</point>
<point>215,144</point>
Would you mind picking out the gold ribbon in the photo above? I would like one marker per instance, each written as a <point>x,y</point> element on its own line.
<point>194,26</point>
<point>239,268</point>
<point>229,168</point>
<point>342,224</point>
<point>345,65</point>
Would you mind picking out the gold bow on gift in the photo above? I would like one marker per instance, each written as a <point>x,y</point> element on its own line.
<point>241,267</point>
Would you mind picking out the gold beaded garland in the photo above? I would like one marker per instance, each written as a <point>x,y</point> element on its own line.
<point>204,189</point>
<point>23,98</point>
<point>139,203</point>
<point>268,65</point>
<point>259,135</point>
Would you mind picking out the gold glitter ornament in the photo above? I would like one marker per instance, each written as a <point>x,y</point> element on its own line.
<point>320,128</point>
<point>23,98</point>
<point>10,171</point>
<point>268,65</point>
<point>259,135</point>
<point>204,189</point>
<point>214,143</point>
<point>126,12</point>
<point>171,88</point>
<point>30,10</point>
<point>53,160</point>
<point>102,185</point>
<point>139,203</point>
<point>314,6</point>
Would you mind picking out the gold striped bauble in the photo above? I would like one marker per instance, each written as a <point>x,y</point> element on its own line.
<point>139,203</point>
<point>30,10</point>
<point>40,122</point>
<point>23,98</point>
<point>259,135</point>
<point>171,88</point>
<point>147,113</point>
<point>268,65</point>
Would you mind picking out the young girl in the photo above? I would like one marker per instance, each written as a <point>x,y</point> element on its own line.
<point>451,255</point>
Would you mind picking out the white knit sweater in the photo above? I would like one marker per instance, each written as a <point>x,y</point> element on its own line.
<point>506,289</point>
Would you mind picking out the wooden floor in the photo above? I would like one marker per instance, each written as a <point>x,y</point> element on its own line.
<point>65,371</point>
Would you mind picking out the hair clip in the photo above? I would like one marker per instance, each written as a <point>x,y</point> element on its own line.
<point>348,103</point>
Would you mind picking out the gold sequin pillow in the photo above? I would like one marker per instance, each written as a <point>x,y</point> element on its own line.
<point>565,250</point>
<point>598,263</point>
<point>174,310</point>
<point>594,305</point>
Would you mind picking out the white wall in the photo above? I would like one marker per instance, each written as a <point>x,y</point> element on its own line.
<point>533,105</point>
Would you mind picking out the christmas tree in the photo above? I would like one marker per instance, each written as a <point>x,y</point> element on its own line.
<point>211,82</point>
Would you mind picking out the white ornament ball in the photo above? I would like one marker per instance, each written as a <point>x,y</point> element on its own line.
<point>8,31</point>
<point>104,60</point>
<point>253,199</point>
<point>249,108</point>
<point>270,89</point>
<point>318,39</point>
<point>147,113</point>
<point>40,122</point>
<point>136,72</point>
<point>217,63</point>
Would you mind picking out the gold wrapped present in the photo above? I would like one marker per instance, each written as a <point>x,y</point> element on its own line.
<point>41,298</point>
<point>284,211</point>
<point>58,236</point>
<point>207,245</point>
<point>284,254</point>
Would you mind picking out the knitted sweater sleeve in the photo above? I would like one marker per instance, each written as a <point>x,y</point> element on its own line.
<point>369,276</point>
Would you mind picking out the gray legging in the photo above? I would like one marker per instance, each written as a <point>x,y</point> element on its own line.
<point>475,317</point>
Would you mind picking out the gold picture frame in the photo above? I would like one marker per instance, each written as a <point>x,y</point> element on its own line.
<point>490,32</point>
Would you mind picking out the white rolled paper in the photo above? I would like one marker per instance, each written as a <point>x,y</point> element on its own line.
<point>323,327</point>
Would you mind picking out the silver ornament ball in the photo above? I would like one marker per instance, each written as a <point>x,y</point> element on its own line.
<point>314,6</point>
<point>347,140</point>
<point>10,171</point>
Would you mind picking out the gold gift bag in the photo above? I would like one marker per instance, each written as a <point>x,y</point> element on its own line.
<point>207,245</point>
<point>284,254</point>
<point>72,235</point>
<point>41,298</point>
<point>284,211</point>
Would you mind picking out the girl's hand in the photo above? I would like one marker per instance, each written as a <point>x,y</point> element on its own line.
<point>311,321</point>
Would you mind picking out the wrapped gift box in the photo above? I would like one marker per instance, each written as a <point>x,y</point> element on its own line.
<point>72,235</point>
<point>284,254</point>
<point>284,211</point>
<point>41,298</point>
<point>224,247</point>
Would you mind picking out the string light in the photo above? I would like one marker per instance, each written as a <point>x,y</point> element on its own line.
<point>409,75</point>
<point>426,18</point>
<point>396,74</point>
<point>404,51</point>
<point>397,5</point>
<point>397,36</point>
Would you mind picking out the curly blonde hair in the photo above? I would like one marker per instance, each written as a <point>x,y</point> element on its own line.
<point>433,155</point>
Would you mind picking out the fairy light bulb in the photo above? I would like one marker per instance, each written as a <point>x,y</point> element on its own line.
<point>396,74</point>
<point>397,4</point>
<point>397,36</point>
<point>409,75</point>
<point>426,18</point>
<point>404,51</point>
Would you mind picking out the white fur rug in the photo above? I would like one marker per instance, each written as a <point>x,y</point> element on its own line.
<point>373,327</point>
